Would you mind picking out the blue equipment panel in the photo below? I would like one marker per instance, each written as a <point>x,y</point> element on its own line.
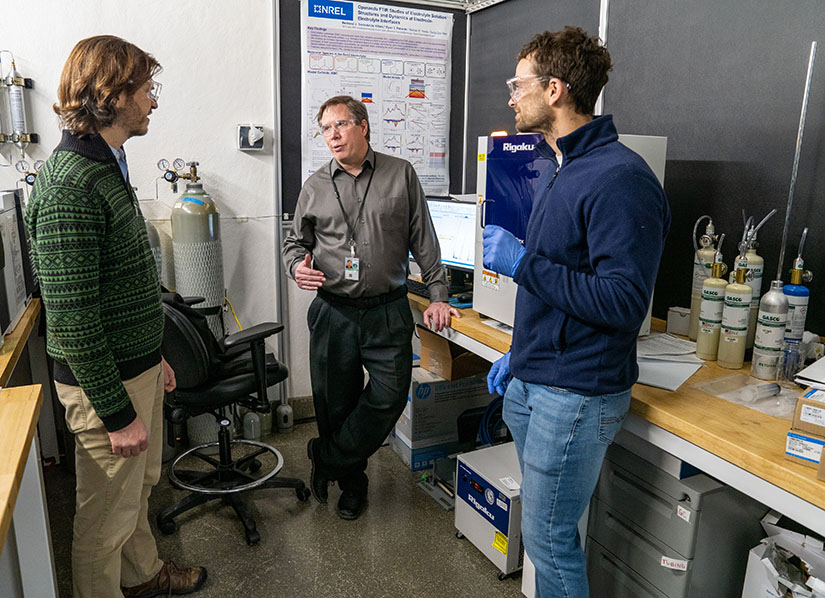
<point>477,492</point>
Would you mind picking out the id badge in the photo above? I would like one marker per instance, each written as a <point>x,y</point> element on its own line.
<point>351,268</point>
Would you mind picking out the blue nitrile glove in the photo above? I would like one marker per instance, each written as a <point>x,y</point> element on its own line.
<point>499,376</point>
<point>502,251</point>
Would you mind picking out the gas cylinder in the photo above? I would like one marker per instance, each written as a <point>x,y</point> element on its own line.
<point>770,331</point>
<point>798,296</point>
<point>735,315</point>
<point>703,256</point>
<point>713,302</point>
<point>196,245</point>
<point>154,245</point>
<point>755,266</point>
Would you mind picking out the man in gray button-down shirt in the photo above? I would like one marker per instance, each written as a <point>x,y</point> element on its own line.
<point>356,220</point>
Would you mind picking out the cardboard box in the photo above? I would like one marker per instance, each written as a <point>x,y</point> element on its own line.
<point>761,579</point>
<point>448,360</point>
<point>420,458</point>
<point>804,447</point>
<point>429,426</point>
<point>810,412</point>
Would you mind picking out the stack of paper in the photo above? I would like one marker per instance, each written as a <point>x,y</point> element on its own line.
<point>813,375</point>
<point>666,361</point>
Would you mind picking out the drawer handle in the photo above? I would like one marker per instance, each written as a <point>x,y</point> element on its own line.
<point>620,577</point>
<point>633,537</point>
<point>644,495</point>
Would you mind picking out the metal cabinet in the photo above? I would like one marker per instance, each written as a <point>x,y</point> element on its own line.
<point>652,534</point>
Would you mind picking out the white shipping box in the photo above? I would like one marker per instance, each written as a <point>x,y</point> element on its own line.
<point>761,580</point>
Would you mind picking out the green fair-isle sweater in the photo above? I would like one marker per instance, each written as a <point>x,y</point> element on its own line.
<point>101,294</point>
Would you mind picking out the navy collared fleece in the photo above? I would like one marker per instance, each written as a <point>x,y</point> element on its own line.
<point>593,244</point>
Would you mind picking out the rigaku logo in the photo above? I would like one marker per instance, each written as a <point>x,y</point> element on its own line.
<point>517,147</point>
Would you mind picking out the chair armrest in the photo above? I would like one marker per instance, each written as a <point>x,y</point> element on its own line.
<point>259,331</point>
<point>172,298</point>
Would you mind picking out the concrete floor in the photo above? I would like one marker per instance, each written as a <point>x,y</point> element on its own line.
<point>404,545</point>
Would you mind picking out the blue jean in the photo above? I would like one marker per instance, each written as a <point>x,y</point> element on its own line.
<point>561,438</point>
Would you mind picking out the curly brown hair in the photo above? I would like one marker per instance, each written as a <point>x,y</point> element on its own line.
<point>97,71</point>
<point>575,58</point>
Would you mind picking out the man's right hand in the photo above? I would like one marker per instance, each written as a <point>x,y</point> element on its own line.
<point>131,440</point>
<point>306,278</point>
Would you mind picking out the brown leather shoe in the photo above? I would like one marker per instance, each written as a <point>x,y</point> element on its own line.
<point>170,580</point>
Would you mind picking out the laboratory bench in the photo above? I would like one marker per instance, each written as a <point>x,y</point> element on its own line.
<point>26,562</point>
<point>739,446</point>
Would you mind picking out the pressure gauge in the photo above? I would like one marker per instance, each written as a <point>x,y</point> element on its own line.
<point>38,165</point>
<point>178,164</point>
<point>22,166</point>
<point>163,164</point>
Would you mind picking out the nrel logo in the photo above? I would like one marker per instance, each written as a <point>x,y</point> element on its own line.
<point>423,391</point>
<point>330,9</point>
<point>517,147</point>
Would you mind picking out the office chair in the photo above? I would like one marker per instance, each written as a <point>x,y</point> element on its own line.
<point>212,375</point>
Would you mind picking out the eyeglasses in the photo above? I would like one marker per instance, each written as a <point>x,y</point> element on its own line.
<point>338,125</point>
<point>154,91</point>
<point>517,87</point>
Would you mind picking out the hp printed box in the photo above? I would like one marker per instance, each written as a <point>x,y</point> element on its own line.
<point>429,427</point>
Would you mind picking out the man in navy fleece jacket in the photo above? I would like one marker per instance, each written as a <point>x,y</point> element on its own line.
<point>585,273</point>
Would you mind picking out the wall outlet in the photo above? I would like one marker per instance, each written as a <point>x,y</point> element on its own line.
<point>250,137</point>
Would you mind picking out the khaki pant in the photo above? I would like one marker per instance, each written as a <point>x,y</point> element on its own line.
<point>113,545</point>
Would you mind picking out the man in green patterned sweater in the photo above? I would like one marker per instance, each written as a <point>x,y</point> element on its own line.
<point>104,319</point>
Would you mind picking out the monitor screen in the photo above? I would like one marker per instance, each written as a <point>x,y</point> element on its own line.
<point>455,227</point>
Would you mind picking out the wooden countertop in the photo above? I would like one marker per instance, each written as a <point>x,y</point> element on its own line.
<point>16,340</point>
<point>742,436</point>
<point>471,324</point>
<point>19,411</point>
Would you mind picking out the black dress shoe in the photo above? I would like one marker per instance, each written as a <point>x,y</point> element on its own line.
<point>351,504</point>
<point>318,485</point>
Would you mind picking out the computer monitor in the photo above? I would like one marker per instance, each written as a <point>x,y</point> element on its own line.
<point>455,223</point>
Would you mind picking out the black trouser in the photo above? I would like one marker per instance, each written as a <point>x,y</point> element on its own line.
<point>346,337</point>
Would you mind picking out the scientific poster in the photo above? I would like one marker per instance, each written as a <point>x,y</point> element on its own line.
<point>396,61</point>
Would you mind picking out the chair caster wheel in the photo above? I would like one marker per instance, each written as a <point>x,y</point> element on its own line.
<point>502,576</point>
<point>303,494</point>
<point>252,537</point>
<point>459,535</point>
<point>167,526</point>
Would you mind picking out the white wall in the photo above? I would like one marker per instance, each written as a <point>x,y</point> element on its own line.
<point>218,70</point>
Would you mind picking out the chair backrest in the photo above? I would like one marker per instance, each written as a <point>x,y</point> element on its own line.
<point>191,353</point>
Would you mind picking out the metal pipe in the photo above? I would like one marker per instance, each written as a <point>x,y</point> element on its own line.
<point>281,308</point>
<point>796,158</point>
<point>466,108</point>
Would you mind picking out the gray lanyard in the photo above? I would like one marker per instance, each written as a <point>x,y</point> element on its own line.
<point>350,228</point>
